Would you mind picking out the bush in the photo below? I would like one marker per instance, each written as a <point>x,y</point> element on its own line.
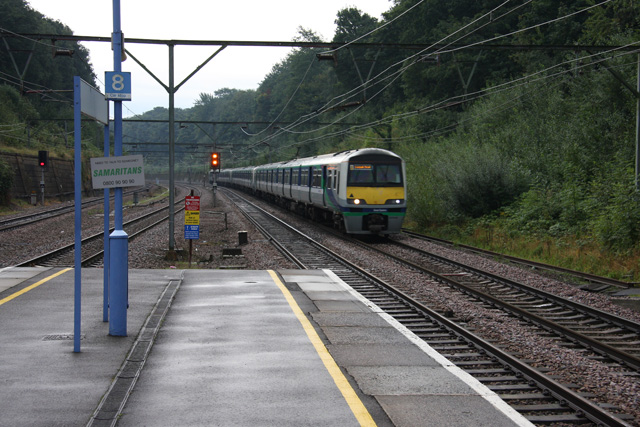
<point>617,226</point>
<point>452,180</point>
<point>6,182</point>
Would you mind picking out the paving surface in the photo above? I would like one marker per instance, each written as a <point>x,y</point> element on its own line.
<point>231,347</point>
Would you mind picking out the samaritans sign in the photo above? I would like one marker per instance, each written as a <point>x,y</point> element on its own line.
<point>120,171</point>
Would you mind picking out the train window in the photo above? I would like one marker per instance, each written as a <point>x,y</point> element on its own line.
<point>329,179</point>
<point>388,174</point>
<point>317,177</point>
<point>375,174</point>
<point>360,174</point>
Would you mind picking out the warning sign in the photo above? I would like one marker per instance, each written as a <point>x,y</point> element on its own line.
<point>192,217</point>
<point>192,203</point>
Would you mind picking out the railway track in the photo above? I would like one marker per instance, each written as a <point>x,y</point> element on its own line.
<point>540,398</point>
<point>23,220</point>
<point>602,283</point>
<point>607,335</point>
<point>92,246</point>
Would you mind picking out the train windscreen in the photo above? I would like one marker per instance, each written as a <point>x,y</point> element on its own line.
<point>375,171</point>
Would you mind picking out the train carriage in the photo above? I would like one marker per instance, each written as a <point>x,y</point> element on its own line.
<point>361,191</point>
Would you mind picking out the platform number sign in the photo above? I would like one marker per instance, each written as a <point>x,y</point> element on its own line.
<point>117,86</point>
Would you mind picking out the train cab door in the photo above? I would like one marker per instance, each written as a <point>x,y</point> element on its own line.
<point>290,184</point>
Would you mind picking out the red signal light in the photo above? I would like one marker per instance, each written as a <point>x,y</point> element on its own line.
<point>215,160</point>
<point>43,157</point>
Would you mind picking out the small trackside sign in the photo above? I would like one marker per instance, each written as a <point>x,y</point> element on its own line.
<point>192,217</point>
<point>118,171</point>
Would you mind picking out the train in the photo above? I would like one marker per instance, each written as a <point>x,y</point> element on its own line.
<point>360,191</point>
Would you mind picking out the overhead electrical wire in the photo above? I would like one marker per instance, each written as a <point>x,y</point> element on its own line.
<point>313,60</point>
<point>525,80</point>
<point>341,98</point>
<point>402,70</point>
<point>374,30</point>
<point>52,45</point>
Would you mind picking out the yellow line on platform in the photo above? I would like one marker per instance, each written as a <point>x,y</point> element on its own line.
<point>35,285</point>
<point>357,407</point>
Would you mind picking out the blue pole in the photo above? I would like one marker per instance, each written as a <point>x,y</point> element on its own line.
<point>118,262</point>
<point>77,170</point>
<point>105,258</point>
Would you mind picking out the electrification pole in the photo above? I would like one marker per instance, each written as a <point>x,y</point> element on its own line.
<point>118,240</point>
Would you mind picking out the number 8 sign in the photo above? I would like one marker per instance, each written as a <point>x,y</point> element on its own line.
<point>117,85</point>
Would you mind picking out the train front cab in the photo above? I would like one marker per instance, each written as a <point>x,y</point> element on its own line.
<point>375,194</point>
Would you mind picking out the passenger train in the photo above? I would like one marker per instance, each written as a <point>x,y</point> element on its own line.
<point>360,191</point>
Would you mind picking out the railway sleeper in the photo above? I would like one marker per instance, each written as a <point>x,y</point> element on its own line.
<point>511,387</point>
<point>552,419</point>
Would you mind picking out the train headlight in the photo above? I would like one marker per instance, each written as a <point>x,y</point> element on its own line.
<point>356,202</point>
<point>394,202</point>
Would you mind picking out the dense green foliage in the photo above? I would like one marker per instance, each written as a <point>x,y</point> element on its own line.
<point>535,141</point>
<point>36,87</point>
<point>6,181</point>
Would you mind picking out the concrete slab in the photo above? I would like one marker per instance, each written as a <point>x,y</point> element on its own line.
<point>329,295</point>
<point>22,272</point>
<point>459,411</point>
<point>380,355</point>
<point>12,276</point>
<point>320,287</point>
<point>350,319</point>
<point>342,306</point>
<point>408,380</point>
<point>359,335</point>
<point>306,276</point>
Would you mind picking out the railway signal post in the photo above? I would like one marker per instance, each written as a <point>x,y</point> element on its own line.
<point>215,167</point>
<point>43,162</point>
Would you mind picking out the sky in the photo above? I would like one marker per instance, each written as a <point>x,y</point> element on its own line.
<point>234,67</point>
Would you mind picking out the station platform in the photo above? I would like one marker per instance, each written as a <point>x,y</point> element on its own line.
<point>224,348</point>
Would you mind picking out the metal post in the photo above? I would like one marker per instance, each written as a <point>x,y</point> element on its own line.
<point>638,127</point>
<point>105,280</point>
<point>77,196</point>
<point>172,137</point>
<point>118,240</point>
<point>42,184</point>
